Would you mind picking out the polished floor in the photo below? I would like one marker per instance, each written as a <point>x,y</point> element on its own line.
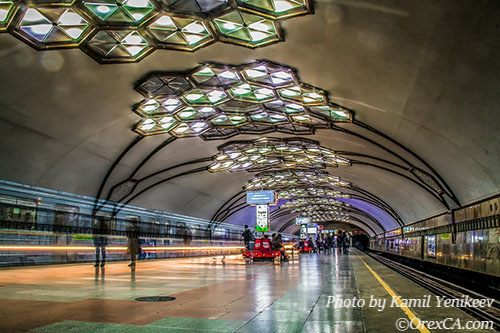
<point>213,296</point>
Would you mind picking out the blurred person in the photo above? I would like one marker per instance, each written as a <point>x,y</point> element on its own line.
<point>347,242</point>
<point>133,242</point>
<point>99,231</point>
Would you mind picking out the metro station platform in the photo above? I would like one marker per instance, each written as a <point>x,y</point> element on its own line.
<point>217,297</point>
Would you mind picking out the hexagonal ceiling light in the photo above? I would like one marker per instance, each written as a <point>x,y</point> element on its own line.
<point>217,101</point>
<point>331,209</point>
<point>301,202</point>
<point>286,178</point>
<point>115,31</point>
<point>309,191</point>
<point>326,217</point>
<point>273,153</point>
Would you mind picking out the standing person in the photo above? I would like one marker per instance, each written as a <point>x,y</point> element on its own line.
<point>310,243</point>
<point>347,242</point>
<point>248,238</point>
<point>99,231</point>
<point>331,243</point>
<point>319,243</point>
<point>340,241</point>
<point>133,242</point>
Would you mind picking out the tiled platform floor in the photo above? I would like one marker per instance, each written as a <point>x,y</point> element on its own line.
<point>210,296</point>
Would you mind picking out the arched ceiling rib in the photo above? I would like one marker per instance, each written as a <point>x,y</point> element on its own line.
<point>424,73</point>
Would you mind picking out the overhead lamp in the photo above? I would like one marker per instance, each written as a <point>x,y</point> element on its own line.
<point>274,153</point>
<point>242,99</point>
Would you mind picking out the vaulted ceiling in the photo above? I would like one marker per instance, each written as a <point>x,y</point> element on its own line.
<point>419,79</point>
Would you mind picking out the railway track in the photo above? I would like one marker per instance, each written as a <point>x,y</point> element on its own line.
<point>447,289</point>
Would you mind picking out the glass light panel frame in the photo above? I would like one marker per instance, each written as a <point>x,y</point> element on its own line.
<point>51,26</point>
<point>274,153</point>
<point>166,24</point>
<point>244,98</point>
<point>284,178</point>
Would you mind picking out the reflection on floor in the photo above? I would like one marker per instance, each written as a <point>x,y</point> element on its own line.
<point>210,296</point>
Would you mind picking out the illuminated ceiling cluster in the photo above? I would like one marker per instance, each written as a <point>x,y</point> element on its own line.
<point>127,30</point>
<point>273,153</point>
<point>305,192</point>
<point>219,101</point>
<point>321,209</point>
<point>301,202</point>
<point>284,178</point>
<point>320,217</point>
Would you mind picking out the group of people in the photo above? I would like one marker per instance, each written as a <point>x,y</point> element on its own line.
<point>276,242</point>
<point>100,231</point>
<point>325,243</point>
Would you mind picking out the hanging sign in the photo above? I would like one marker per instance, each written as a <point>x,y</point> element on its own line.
<point>260,197</point>
<point>262,218</point>
<point>302,220</point>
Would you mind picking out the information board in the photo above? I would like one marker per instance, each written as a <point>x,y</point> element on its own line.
<point>260,197</point>
<point>302,220</point>
<point>431,246</point>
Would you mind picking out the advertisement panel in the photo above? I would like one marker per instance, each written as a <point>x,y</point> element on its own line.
<point>260,197</point>
<point>303,231</point>
<point>262,218</point>
<point>431,246</point>
<point>312,228</point>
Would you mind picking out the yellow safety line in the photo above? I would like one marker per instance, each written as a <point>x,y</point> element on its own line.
<point>421,327</point>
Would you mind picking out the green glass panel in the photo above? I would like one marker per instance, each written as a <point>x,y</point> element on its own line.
<point>72,24</point>
<point>194,39</point>
<point>164,22</point>
<point>227,27</point>
<point>196,95</point>
<point>229,23</point>
<point>176,38</point>
<point>283,6</point>
<point>138,9</point>
<point>265,4</point>
<point>102,11</point>
<point>241,34</point>
<point>187,114</point>
<point>120,16</point>
<point>203,75</point>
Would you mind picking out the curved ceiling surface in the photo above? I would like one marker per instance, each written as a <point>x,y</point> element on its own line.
<point>417,85</point>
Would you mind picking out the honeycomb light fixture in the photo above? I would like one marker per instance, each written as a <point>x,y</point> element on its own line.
<point>273,153</point>
<point>216,101</point>
<point>301,202</point>
<point>285,178</point>
<point>117,31</point>
<point>333,209</point>
<point>309,191</point>
<point>326,217</point>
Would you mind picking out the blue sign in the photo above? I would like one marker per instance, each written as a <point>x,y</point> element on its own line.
<point>260,197</point>
<point>302,220</point>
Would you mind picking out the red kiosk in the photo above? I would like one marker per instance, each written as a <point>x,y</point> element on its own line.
<point>262,251</point>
